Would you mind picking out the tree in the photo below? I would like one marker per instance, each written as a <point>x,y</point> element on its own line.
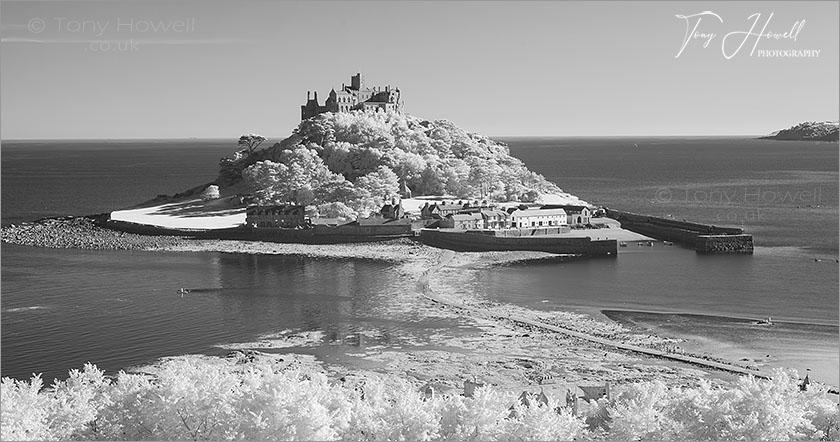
<point>210,193</point>
<point>250,142</point>
<point>336,210</point>
<point>295,178</point>
<point>381,183</point>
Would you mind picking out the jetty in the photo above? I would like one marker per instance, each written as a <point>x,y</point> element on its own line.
<point>703,238</point>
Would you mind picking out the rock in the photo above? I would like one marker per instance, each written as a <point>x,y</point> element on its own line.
<point>807,131</point>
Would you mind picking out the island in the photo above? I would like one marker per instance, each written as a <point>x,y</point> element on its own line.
<point>807,131</point>
<point>372,182</point>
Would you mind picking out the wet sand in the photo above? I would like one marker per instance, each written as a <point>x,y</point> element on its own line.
<point>749,341</point>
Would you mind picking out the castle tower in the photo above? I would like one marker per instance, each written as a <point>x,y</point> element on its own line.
<point>331,104</point>
<point>405,192</point>
<point>357,82</point>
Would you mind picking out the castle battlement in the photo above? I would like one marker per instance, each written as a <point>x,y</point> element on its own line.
<point>356,96</point>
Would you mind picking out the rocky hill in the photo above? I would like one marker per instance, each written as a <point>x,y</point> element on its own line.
<point>807,131</point>
<point>353,161</point>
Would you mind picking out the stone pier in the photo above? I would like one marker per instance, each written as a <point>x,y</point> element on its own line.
<point>701,237</point>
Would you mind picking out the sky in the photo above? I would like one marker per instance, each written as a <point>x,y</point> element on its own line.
<point>218,69</point>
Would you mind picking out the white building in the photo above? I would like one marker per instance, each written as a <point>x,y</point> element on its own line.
<point>529,218</point>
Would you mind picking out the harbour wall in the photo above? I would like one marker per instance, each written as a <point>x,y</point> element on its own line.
<point>486,241</point>
<point>318,234</point>
<point>703,238</point>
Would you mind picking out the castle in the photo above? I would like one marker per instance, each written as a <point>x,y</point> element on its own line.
<point>353,97</point>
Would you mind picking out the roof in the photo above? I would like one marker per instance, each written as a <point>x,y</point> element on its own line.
<point>538,212</point>
<point>567,208</point>
<point>466,216</point>
<point>449,206</point>
<point>492,212</point>
<point>575,209</point>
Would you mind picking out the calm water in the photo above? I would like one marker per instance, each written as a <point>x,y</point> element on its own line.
<point>120,308</point>
<point>61,308</point>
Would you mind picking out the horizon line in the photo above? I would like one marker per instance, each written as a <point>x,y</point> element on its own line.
<point>488,136</point>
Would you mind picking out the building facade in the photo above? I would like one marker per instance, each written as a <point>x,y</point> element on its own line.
<point>356,96</point>
<point>577,215</point>
<point>495,219</point>
<point>463,221</point>
<point>528,218</point>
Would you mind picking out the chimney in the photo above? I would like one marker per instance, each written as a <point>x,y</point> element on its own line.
<point>316,96</point>
<point>307,95</point>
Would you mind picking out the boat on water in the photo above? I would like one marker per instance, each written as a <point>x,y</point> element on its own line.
<point>622,244</point>
<point>768,321</point>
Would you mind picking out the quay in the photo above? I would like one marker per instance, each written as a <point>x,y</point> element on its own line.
<point>703,238</point>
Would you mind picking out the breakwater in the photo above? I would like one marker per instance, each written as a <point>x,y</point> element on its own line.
<point>319,234</point>
<point>703,238</point>
<point>85,232</point>
<point>487,240</point>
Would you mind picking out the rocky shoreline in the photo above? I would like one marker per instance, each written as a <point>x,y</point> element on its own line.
<point>82,232</point>
<point>85,232</point>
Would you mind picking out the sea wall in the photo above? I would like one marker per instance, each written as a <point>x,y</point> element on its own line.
<point>724,244</point>
<point>484,241</point>
<point>319,234</point>
<point>701,237</point>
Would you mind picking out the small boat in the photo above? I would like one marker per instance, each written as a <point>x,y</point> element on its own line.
<point>622,244</point>
<point>768,321</point>
<point>650,243</point>
<point>668,243</point>
<point>183,291</point>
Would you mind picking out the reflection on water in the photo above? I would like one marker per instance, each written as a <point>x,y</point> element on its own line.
<point>120,309</point>
<point>673,279</point>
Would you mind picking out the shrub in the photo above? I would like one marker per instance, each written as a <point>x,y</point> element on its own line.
<point>203,398</point>
<point>210,193</point>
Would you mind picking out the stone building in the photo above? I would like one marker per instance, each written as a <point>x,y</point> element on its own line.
<point>439,211</point>
<point>463,221</point>
<point>394,210</point>
<point>578,215</point>
<point>283,216</point>
<point>356,96</point>
<point>495,219</point>
<point>529,218</point>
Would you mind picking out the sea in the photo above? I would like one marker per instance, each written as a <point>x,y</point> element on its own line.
<point>61,308</point>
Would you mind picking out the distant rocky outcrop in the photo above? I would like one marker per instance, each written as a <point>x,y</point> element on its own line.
<point>807,131</point>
